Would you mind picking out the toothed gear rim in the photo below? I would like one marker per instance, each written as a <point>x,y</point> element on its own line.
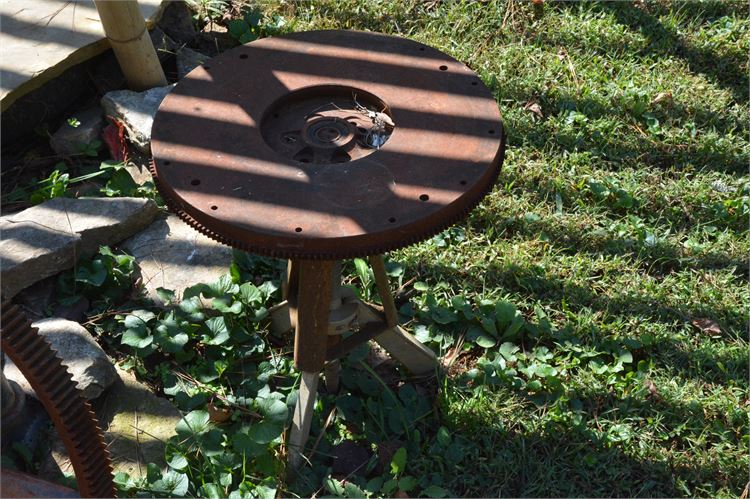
<point>69,410</point>
<point>220,174</point>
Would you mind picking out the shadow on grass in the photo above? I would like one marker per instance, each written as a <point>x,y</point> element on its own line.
<point>725,70</point>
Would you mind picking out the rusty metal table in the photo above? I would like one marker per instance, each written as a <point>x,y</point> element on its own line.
<point>324,145</point>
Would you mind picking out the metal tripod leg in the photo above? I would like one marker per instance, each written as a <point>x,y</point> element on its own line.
<point>401,345</point>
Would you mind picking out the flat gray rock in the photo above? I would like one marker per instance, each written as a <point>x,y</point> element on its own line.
<point>46,239</point>
<point>74,135</point>
<point>135,110</point>
<point>84,358</point>
<point>175,256</point>
<point>187,60</point>
<point>136,425</point>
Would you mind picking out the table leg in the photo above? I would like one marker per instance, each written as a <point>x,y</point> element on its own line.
<point>402,346</point>
<point>310,343</point>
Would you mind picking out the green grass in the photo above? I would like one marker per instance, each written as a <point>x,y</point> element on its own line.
<point>620,217</point>
<point>665,243</point>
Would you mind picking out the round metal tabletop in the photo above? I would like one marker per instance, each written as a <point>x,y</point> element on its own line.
<point>327,144</point>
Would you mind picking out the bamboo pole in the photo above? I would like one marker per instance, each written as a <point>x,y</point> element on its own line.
<point>126,31</point>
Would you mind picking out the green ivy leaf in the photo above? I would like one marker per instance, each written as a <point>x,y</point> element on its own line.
<point>218,329</point>
<point>265,432</point>
<point>243,444</point>
<point>137,338</point>
<point>273,410</point>
<point>250,294</point>
<point>95,273</point>
<point>193,424</point>
<point>237,27</point>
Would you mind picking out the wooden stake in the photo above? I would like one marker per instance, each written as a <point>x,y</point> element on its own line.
<point>126,31</point>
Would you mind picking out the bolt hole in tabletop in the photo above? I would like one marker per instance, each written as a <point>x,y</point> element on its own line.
<point>321,146</point>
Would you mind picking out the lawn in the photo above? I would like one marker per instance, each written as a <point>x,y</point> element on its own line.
<point>591,313</point>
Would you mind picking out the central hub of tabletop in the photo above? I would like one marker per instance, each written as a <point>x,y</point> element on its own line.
<point>327,124</point>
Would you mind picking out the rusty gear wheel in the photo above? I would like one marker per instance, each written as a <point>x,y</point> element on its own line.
<point>70,412</point>
<point>327,144</point>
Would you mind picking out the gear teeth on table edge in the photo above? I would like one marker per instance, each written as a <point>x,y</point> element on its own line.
<point>293,255</point>
<point>56,390</point>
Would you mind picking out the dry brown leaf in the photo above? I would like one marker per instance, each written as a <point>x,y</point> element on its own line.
<point>401,494</point>
<point>537,2</point>
<point>707,326</point>
<point>744,492</point>
<point>665,97</point>
<point>534,108</point>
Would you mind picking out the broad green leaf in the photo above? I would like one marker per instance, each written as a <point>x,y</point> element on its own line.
<point>486,341</point>
<point>165,295</point>
<point>227,305</point>
<point>273,410</point>
<point>508,351</point>
<point>139,318</point>
<point>250,294</point>
<point>534,385</point>
<point>546,371</point>
<point>137,338</point>
<point>247,37</point>
<point>442,315</point>
<point>421,286</point>
<point>398,463</point>
<point>178,462</point>
<point>625,357</point>
<point>335,487</point>
<point>218,329</point>
<point>515,326</point>
<point>211,491</point>
<point>265,492</point>
<point>243,444</point>
<point>435,491</point>
<point>374,485</point>
<point>265,432</point>
<point>407,483</point>
<point>95,273</point>
<point>221,286</point>
<point>237,27</point>
<point>422,333</point>
<point>443,436</point>
<point>363,270</point>
<point>505,311</point>
<point>193,424</point>
<point>489,325</point>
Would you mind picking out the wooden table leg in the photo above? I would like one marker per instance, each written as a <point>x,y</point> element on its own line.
<point>310,343</point>
<point>402,346</point>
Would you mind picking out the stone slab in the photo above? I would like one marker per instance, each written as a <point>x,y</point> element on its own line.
<point>136,425</point>
<point>72,138</point>
<point>175,256</point>
<point>43,240</point>
<point>40,39</point>
<point>84,358</point>
<point>136,111</point>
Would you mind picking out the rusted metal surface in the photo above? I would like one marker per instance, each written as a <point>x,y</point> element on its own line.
<point>70,412</point>
<point>16,484</point>
<point>327,144</point>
